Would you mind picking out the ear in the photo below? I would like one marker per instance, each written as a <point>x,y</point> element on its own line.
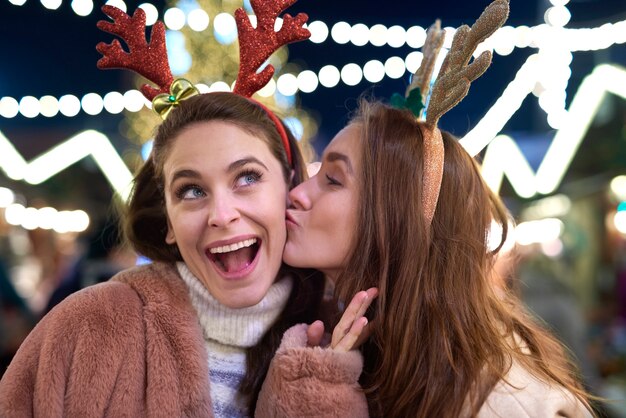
<point>170,238</point>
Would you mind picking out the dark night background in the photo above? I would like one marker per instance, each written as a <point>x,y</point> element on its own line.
<point>52,52</point>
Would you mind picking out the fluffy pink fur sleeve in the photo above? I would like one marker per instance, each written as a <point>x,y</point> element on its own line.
<point>311,381</point>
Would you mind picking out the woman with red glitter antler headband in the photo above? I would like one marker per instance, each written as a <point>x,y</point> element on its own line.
<point>191,334</point>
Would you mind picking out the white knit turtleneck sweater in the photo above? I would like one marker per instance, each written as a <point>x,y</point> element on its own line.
<point>228,333</point>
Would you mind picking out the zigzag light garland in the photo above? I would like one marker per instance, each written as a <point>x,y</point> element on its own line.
<point>504,158</point>
<point>87,143</point>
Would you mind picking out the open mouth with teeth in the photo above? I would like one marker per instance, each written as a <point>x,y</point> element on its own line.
<point>234,257</point>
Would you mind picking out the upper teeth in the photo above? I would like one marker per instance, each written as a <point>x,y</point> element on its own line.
<point>233,247</point>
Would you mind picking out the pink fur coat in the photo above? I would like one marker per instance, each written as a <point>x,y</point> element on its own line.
<point>132,347</point>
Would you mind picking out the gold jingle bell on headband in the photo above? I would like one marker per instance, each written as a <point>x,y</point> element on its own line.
<point>180,89</point>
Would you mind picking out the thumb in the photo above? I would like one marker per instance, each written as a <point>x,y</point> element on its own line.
<point>314,333</point>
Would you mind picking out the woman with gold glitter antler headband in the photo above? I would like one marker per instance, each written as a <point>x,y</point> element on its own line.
<point>191,334</point>
<point>400,208</point>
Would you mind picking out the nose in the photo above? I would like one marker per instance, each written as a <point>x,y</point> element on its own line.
<point>223,212</point>
<point>299,196</point>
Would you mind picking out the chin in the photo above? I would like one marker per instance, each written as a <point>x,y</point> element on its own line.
<point>245,300</point>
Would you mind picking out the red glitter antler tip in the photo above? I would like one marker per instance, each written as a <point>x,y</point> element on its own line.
<point>146,59</point>
<point>256,45</point>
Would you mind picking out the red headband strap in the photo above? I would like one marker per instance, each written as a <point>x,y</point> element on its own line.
<point>279,127</point>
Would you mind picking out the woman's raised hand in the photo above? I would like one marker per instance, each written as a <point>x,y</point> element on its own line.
<point>352,328</point>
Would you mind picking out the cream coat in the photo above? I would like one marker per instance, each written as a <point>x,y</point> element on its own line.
<point>305,381</point>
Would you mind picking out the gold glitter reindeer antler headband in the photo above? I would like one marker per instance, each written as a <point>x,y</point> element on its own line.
<point>149,59</point>
<point>450,87</point>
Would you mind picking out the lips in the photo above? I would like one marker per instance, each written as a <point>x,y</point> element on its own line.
<point>290,219</point>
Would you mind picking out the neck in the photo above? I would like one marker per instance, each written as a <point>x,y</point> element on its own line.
<point>240,327</point>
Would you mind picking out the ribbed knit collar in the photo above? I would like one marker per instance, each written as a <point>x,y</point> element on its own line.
<point>242,327</point>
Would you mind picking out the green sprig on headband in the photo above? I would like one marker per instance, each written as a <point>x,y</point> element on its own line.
<point>412,102</point>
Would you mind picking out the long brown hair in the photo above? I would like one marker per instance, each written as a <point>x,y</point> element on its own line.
<point>145,219</point>
<point>441,336</point>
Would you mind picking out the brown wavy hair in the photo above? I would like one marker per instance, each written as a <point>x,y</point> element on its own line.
<point>144,219</point>
<point>441,336</point>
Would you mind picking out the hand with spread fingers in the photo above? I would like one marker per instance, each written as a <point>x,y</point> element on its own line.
<point>352,329</point>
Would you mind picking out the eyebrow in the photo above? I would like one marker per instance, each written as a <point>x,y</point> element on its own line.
<point>185,174</point>
<point>336,156</point>
<point>245,161</point>
<point>235,165</point>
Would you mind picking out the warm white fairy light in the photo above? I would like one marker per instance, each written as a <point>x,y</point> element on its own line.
<point>225,28</point>
<point>14,213</point>
<point>92,104</point>
<point>51,4</point>
<point>118,3</point>
<point>329,76</point>
<point>504,41</point>
<point>449,33</point>
<point>395,67</point>
<point>619,220</point>
<point>174,18</point>
<point>29,106</point>
<point>268,90</point>
<point>307,81</point>
<point>278,23</point>
<point>415,37</point>
<point>49,106</point>
<point>7,197</point>
<point>396,36</point>
<point>287,84</point>
<point>219,86</point>
<point>557,16</point>
<point>9,107</point>
<point>82,7</point>
<point>319,31</point>
<point>413,61</point>
<point>351,74</point>
<point>152,14</point>
<point>134,101</point>
<point>522,37</point>
<point>198,20</point>
<point>202,88</point>
<point>618,187</point>
<point>69,105</point>
<point>113,102</point>
<point>378,35</point>
<point>359,35</point>
<point>374,71</point>
<point>340,32</point>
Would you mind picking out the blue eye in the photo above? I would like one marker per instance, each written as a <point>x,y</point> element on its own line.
<point>248,178</point>
<point>190,192</point>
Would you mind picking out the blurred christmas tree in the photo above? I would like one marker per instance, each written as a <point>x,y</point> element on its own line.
<point>206,51</point>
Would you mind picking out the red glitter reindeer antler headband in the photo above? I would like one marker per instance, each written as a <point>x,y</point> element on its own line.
<point>149,59</point>
<point>450,87</point>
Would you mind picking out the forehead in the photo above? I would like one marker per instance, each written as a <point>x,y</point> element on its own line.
<point>215,141</point>
<point>347,142</point>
